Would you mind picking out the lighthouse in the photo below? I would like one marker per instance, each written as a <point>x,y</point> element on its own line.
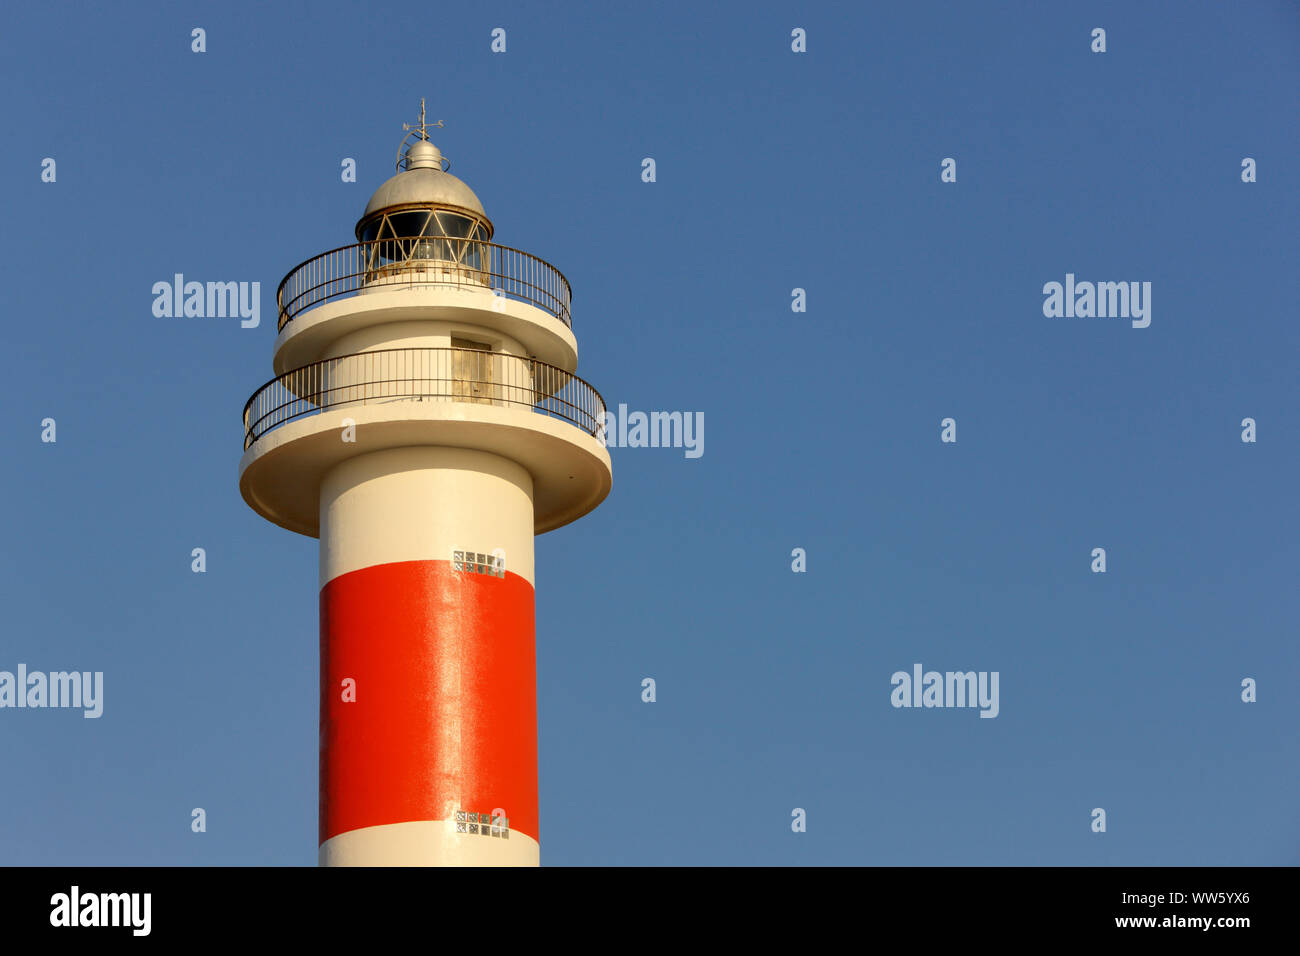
<point>425,422</point>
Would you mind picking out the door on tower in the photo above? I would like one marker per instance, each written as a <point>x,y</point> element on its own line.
<point>472,378</point>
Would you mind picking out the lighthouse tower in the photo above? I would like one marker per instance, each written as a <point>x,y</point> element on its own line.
<point>425,422</point>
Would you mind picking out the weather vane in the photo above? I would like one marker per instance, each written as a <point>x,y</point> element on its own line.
<point>422,127</point>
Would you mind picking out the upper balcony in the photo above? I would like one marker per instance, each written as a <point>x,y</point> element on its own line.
<point>428,260</point>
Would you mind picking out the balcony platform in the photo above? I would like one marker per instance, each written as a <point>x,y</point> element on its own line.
<point>540,416</point>
<point>308,337</point>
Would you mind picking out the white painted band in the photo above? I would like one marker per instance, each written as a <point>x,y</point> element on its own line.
<point>426,843</point>
<point>421,504</point>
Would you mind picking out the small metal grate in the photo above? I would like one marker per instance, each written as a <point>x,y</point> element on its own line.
<point>476,562</point>
<point>482,824</point>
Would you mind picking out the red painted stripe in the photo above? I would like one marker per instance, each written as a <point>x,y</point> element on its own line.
<point>445,716</point>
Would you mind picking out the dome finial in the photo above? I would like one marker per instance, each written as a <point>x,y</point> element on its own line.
<point>422,154</point>
<point>422,128</point>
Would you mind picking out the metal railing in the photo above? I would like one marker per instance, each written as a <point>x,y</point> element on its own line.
<point>429,260</point>
<point>422,375</point>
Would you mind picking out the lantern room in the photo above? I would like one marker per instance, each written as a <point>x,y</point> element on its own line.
<point>425,219</point>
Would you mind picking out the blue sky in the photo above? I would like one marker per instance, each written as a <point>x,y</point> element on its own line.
<point>775,170</point>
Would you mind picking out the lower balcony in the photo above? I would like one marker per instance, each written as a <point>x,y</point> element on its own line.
<point>423,375</point>
<point>302,424</point>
